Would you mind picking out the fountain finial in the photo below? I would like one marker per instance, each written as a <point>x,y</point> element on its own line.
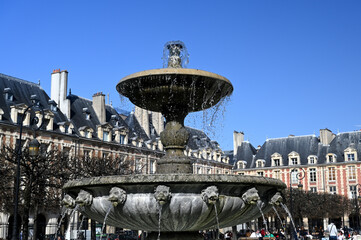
<point>175,54</point>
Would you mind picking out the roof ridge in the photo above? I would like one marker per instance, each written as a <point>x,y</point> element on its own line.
<point>310,135</point>
<point>20,80</point>
<point>355,131</point>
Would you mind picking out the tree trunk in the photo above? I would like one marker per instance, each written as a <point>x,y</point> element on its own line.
<point>35,228</point>
<point>27,203</point>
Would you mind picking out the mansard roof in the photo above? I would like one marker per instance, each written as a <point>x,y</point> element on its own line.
<point>23,91</point>
<point>303,145</point>
<point>245,152</point>
<point>81,106</point>
<point>343,141</point>
<point>136,131</point>
<point>199,140</point>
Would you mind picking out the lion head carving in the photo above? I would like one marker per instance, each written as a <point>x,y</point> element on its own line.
<point>84,198</point>
<point>162,194</point>
<point>117,196</point>
<point>68,202</point>
<point>276,199</point>
<point>251,196</point>
<point>210,195</point>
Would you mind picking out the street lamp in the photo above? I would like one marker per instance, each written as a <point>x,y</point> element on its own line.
<point>33,151</point>
<point>299,176</point>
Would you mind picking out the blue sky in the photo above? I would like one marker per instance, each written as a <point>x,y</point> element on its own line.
<point>295,65</point>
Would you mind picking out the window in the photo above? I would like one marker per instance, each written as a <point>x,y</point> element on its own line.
<point>122,137</point>
<point>331,174</point>
<point>351,173</point>
<point>353,191</point>
<point>277,174</point>
<point>105,135</point>
<point>86,153</point>
<point>333,189</point>
<point>152,166</point>
<point>313,189</point>
<point>8,94</point>
<point>241,173</point>
<point>199,170</point>
<point>312,174</point>
<point>276,162</point>
<point>294,176</point>
<point>260,174</point>
<point>208,171</point>
<point>331,158</point>
<point>260,163</point>
<point>293,158</point>
<point>350,157</point>
<point>312,159</point>
<point>294,161</point>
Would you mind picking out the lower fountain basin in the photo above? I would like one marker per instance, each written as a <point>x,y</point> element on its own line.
<point>182,202</point>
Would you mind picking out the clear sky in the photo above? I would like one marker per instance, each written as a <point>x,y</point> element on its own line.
<point>295,65</point>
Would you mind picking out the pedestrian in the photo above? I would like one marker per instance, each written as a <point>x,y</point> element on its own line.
<point>333,231</point>
<point>340,236</point>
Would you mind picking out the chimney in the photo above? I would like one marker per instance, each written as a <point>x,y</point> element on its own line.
<point>326,136</point>
<point>59,88</point>
<point>158,122</point>
<point>99,106</point>
<point>142,117</point>
<point>238,138</point>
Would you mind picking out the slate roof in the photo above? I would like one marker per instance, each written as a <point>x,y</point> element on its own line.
<point>303,145</point>
<point>80,106</point>
<point>199,140</point>
<point>22,91</point>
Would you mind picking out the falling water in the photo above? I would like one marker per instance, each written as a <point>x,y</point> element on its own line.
<point>105,219</point>
<point>63,213</point>
<point>70,218</point>
<point>290,216</point>
<point>279,218</point>
<point>215,209</point>
<point>81,224</point>
<point>264,219</point>
<point>159,219</point>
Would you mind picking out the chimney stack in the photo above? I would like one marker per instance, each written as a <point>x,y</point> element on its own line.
<point>99,106</point>
<point>142,117</point>
<point>326,136</point>
<point>59,88</point>
<point>238,138</point>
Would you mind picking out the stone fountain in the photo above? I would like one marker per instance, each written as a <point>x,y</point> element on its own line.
<point>174,203</point>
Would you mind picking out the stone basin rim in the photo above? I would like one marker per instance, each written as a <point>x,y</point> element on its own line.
<point>175,71</point>
<point>147,179</point>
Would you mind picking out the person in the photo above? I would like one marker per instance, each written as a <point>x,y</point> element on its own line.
<point>248,233</point>
<point>321,233</point>
<point>268,235</point>
<point>340,235</point>
<point>332,229</point>
<point>256,234</point>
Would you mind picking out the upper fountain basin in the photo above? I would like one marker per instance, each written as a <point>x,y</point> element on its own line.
<point>187,202</point>
<point>183,89</point>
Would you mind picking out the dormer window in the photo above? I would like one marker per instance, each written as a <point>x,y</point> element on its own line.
<point>312,159</point>
<point>52,105</point>
<point>331,157</point>
<point>1,114</point>
<point>293,158</point>
<point>86,113</point>
<point>276,159</point>
<point>34,100</point>
<point>241,164</point>
<point>260,163</point>
<point>105,136</point>
<point>350,154</point>
<point>122,138</point>
<point>8,95</point>
<point>66,127</point>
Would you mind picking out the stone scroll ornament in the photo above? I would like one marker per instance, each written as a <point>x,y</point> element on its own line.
<point>68,202</point>
<point>117,196</point>
<point>210,195</point>
<point>251,196</point>
<point>84,198</point>
<point>276,199</point>
<point>162,194</point>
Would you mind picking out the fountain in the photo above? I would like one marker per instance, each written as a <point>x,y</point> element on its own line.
<point>174,203</point>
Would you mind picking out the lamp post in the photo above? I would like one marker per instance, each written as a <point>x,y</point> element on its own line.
<point>33,151</point>
<point>299,176</point>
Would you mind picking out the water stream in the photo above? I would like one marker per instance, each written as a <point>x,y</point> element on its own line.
<point>264,219</point>
<point>290,216</point>
<point>105,219</point>
<point>81,224</point>
<point>71,219</point>
<point>279,218</point>
<point>215,209</point>
<point>159,219</point>
<point>63,213</point>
